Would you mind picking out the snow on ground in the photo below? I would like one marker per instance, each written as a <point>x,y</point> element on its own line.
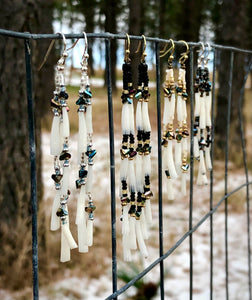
<point>175,225</point>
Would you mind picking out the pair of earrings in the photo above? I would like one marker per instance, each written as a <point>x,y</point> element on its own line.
<point>135,168</point>
<point>175,98</point>
<point>59,148</point>
<point>202,115</point>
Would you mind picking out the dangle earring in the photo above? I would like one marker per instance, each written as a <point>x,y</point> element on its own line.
<point>197,83</point>
<point>208,107</point>
<point>59,146</point>
<point>85,157</point>
<point>128,226</point>
<point>204,122</point>
<point>131,228</point>
<point>181,149</point>
<point>143,162</point>
<point>168,119</point>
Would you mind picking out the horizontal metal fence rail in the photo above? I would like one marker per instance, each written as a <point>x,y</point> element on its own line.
<point>27,37</point>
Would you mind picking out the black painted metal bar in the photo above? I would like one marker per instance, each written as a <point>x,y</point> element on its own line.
<point>247,72</point>
<point>33,175</point>
<point>107,35</point>
<point>112,166</point>
<point>226,169</point>
<point>212,174</point>
<point>160,198</point>
<point>191,170</point>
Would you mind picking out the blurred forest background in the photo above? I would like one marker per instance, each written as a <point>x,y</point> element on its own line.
<point>226,22</point>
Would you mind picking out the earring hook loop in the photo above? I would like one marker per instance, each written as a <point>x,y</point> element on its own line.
<point>64,52</point>
<point>127,48</point>
<point>172,49</point>
<point>209,48</point>
<point>201,53</point>
<point>144,54</point>
<point>85,52</point>
<point>184,55</point>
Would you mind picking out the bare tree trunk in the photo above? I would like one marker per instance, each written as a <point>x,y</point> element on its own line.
<point>110,10</point>
<point>87,8</point>
<point>135,16</point>
<point>231,31</point>
<point>15,231</point>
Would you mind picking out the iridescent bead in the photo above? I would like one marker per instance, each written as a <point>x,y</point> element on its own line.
<point>148,194</point>
<point>61,212</point>
<point>64,155</point>
<point>83,173</point>
<point>81,101</point>
<point>91,153</point>
<point>57,177</point>
<point>185,168</point>
<point>90,208</point>
<point>138,95</point>
<point>87,94</point>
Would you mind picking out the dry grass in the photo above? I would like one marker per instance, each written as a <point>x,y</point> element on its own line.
<point>97,261</point>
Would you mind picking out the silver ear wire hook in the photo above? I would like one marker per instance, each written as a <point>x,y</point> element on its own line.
<point>85,55</point>
<point>206,56</point>
<point>64,52</point>
<point>201,54</point>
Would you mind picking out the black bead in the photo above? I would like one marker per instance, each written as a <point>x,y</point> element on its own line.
<point>83,173</point>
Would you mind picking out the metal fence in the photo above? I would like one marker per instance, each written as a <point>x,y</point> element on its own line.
<point>107,37</point>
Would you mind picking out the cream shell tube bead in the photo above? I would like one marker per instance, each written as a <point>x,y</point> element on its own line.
<point>55,142</point>
<point>140,239</point>
<point>144,225</point>
<point>132,234</point>
<point>208,158</point>
<point>90,230</point>
<point>170,161</point>
<point>126,248</point>
<point>65,129</point>
<point>82,136</point>
<point>55,221</point>
<point>81,220</point>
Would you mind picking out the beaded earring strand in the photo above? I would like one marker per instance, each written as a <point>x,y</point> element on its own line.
<point>204,123</point>
<point>59,146</point>
<point>128,226</point>
<point>208,103</point>
<point>143,163</point>
<point>181,149</point>
<point>131,226</point>
<point>168,119</point>
<point>85,157</point>
<point>198,79</point>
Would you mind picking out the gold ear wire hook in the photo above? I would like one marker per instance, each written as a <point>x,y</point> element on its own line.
<point>127,48</point>
<point>184,56</point>
<point>139,46</point>
<point>172,49</point>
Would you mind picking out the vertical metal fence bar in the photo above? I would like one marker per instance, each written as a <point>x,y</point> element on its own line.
<point>211,174</point>
<point>226,167</point>
<point>248,70</point>
<point>160,198</point>
<point>112,166</point>
<point>191,170</point>
<point>32,150</point>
